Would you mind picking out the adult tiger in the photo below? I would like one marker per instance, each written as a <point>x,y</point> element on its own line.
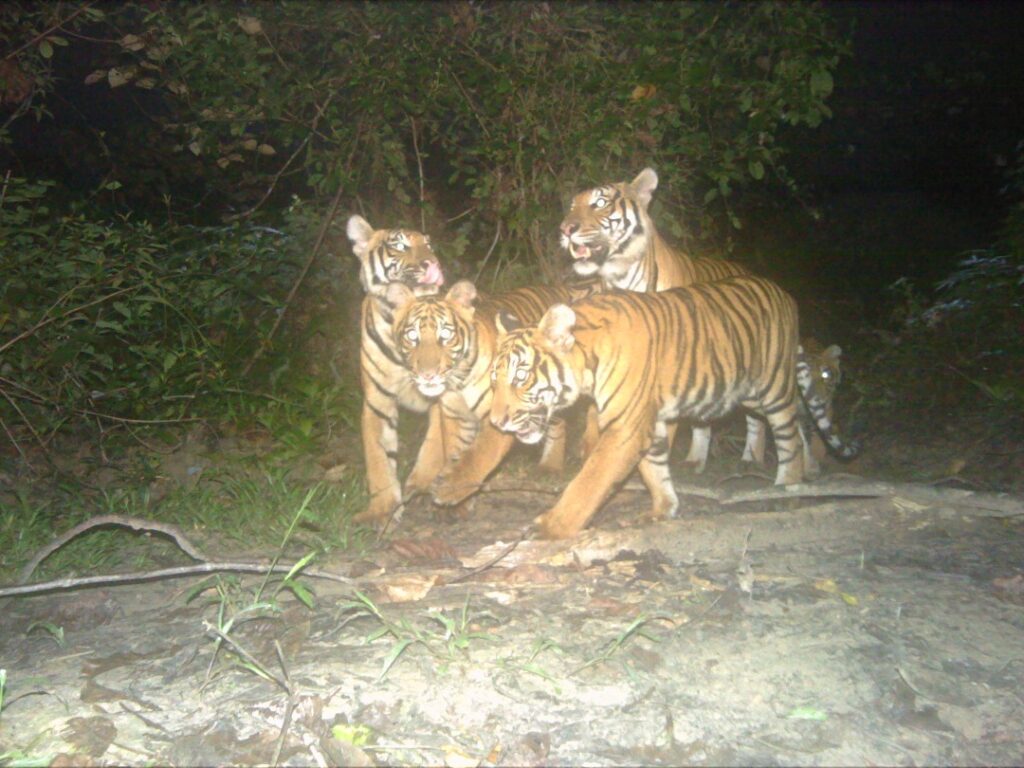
<point>447,344</point>
<point>646,359</point>
<point>387,256</point>
<point>609,232</point>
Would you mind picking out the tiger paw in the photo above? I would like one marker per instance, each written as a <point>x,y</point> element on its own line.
<point>447,491</point>
<point>554,526</point>
<point>378,514</point>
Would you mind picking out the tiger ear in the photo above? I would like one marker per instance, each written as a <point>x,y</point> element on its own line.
<point>556,327</point>
<point>359,232</point>
<point>462,293</point>
<point>643,186</point>
<point>834,352</point>
<point>397,295</point>
<point>506,322</point>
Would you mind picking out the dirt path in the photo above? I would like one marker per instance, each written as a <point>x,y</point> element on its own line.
<point>821,632</point>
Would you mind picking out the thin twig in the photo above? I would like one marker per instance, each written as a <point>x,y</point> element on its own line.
<point>277,176</point>
<point>48,320</point>
<point>298,281</point>
<point>494,242</point>
<point>502,555</point>
<point>136,523</point>
<point>419,165</point>
<point>214,566</point>
<point>47,32</point>
<point>15,443</point>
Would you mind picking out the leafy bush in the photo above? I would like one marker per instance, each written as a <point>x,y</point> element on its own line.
<point>478,115</point>
<point>126,323</point>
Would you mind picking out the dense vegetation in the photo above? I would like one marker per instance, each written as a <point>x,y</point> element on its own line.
<point>170,168</point>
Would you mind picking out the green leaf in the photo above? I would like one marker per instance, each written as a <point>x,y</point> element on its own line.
<point>356,735</point>
<point>45,49</point>
<point>393,654</point>
<point>821,83</point>
<point>756,168</point>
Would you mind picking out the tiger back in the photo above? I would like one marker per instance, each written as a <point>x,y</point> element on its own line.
<point>386,256</point>
<point>447,344</point>
<point>647,359</point>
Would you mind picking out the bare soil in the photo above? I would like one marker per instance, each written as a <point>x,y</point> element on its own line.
<point>838,630</point>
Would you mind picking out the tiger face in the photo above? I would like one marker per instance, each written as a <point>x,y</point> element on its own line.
<point>607,227</point>
<point>825,368</point>
<point>435,336</point>
<point>532,376</point>
<point>394,255</point>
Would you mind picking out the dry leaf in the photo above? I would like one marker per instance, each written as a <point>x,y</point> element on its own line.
<point>250,25</point>
<point>118,77</point>
<point>336,473</point>
<point>405,589</point>
<point>95,77</point>
<point>643,92</point>
<point>132,43</point>
<point>266,149</point>
<point>456,757</point>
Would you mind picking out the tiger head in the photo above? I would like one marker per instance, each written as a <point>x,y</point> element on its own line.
<point>533,374</point>
<point>607,227</point>
<point>394,255</point>
<point>824,368</point>
<point>435,336</point>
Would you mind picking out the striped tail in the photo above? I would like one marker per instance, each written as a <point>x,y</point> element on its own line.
<point>818,409</point>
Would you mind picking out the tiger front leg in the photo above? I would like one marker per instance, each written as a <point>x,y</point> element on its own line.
<point>464,477</point>
<point>612,459</point>
<point>380,450</point>
<point>430,458</point>
<point>552,458</point>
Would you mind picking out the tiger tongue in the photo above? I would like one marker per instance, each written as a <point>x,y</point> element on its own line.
<point>581,252</point>
<point>433,275</point>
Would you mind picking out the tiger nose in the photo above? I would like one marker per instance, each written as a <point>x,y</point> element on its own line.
<point>500,420</point>
<point>569,229</point>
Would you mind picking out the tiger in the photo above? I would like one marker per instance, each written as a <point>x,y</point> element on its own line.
<point>823,370</point>
<point>609,232</point>
<point>447,344</point>
<point>824,375</point>
<point>389,256</point>
<point>646,359</point>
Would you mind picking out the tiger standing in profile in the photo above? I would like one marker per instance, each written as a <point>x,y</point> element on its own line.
<point>389,256</point>
<point>447,344</point>
<point>647,359</point>
<point>609,232</point>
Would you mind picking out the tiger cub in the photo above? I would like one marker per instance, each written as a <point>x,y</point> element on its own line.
<point>388,256</point>
<point>447,344</point>
<point>647,359</point>
<point>824,374</point>
<point>823,371</point>
<point>608,231</point>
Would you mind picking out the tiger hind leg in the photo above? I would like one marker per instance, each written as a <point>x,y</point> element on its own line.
<point>700,446</point>
<point>789,444</point>
<point>753,448</point>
